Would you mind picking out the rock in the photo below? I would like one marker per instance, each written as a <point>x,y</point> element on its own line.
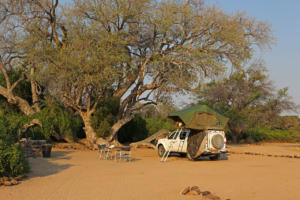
<point>211,197</point>
<point>206,193</point>
<point>14,182</point>
<point>8,183</point>
<point>195,192</point>
<point>194,187</point>
<point>186,190</point>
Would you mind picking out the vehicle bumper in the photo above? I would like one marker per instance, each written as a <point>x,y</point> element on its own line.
<point>207,153</point>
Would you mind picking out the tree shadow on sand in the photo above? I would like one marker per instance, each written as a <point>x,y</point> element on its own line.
<point>41,167</point>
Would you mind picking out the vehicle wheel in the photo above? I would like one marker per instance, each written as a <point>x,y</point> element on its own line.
<point>161,150</point>
<point>215,157</point>
<point>190,157</point>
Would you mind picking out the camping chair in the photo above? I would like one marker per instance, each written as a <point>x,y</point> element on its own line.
<point>123,153</point>
<point>105,152</point>
<point>101,150</point>
<point>108,152</point>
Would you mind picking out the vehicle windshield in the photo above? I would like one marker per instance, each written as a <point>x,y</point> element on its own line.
<point>175,133</point>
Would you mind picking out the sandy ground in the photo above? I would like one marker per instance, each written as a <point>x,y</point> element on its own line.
<point>72,175</point>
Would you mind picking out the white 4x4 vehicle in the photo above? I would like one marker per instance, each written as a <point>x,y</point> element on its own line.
<point>176,141</point>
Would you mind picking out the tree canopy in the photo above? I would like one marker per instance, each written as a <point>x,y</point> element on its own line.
<point>248,98</point>
<point>138,51</point>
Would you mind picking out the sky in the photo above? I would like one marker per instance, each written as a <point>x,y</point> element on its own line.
<point>283,60</point>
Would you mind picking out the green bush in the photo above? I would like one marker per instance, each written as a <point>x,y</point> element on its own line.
<point>155,124</point>
<point>12,160</point>
<point>266,134</point>
<point>133,131</point>
<point>140,128</point>
<point>105,116</point>
<point>57,123</point>
<point>9,125</point>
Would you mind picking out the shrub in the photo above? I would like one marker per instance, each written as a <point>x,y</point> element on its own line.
<point>9,125</point>
<point>57,123</point>
<point>263,134</point>
<point>133,131</point>
<point>156,124</point>
<point>12,160</point>
<point>140,128</point>
<point>105,116</point>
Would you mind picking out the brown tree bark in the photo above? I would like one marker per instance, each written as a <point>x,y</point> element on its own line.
<point>34,91</point>
<point>88,129</point>
<point>22,104</point>
<point>116,127</point>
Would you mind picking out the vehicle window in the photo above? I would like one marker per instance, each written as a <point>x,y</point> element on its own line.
<point>182,135</point>
<point>171,136</point>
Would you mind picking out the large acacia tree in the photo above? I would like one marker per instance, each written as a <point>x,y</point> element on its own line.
<point>172,45</point>
<point>140,51</point>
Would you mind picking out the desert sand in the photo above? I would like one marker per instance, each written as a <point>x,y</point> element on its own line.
<point>72,175</point>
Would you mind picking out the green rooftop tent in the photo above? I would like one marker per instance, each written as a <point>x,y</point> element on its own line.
<point>200,117</point>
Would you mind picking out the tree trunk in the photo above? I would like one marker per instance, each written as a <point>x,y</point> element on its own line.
<point>116,127</point>
<point>34,91</point>
<point>234,139</point>
<point>88,129</point>
<point>22,104</point>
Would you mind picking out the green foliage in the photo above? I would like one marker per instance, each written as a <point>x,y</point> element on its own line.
<point>266,134</point>
<point>156,124</point>
<point>249,100</point>
<point>10,123</point>
<point>77,126</point>
<point>12,160</point>
<point>104,117</point>
<point>57,123</point>
<point>23,89</point>
<point>140,128</point>
<point>133,131</point>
